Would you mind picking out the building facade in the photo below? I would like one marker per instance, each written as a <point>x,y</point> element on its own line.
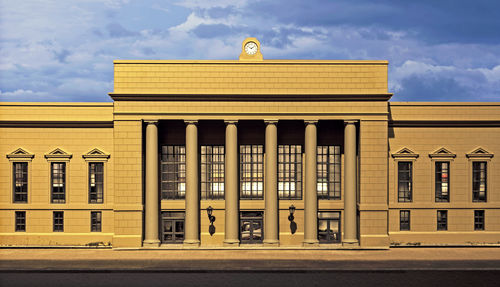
<point>251,152</point>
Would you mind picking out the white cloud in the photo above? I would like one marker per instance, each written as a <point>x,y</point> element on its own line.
<point>204,4</point>
<point>20,95</point>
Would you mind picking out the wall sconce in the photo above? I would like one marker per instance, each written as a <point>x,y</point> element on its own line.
<point>292,211</point>
<point>211,228</point>
<point>293,225</point>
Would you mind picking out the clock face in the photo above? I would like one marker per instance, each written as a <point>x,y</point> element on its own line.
<point>251,48</point>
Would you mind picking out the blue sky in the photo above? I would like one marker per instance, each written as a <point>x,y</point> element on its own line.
<point>439,50</point>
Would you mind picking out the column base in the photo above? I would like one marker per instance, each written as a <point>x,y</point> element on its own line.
<point>231,243</point>
<point>151,243</point>
<point>271,243</point>
<point>310,243</point>
<point>350,243</point>
<point>191,244</point>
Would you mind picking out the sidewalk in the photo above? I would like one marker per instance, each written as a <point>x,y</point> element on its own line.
<point>249,260</point>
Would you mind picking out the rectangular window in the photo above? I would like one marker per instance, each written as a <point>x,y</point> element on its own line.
<point>404,220</point>
<point>20,182</point>
<point>58,221</point>
<point>328,172</point>
<point>58,182</point>
<point>478,219</point>
<point>442,220</point>
<point>20,221</point>
<point>173,172</point>
<point>96,182</point>
<point>251,171</point>
<point>329,227</point>
<point>172,227</point>
<point>290,171</point>
<point>251,225</point>
<point>95,221</point>
<point>479,187</point>
<point>212,172</point>
<point>404,181</point>
<point>442,182</point>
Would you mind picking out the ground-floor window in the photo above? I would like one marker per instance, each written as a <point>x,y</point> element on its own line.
<point>172,227</point>
<point>329,226</point>
<point>251,227</point>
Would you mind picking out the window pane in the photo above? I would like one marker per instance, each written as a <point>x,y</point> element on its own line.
<point>173,172</point>
<point>212,172</point>
<point>58,185</point>
<point>290,175</point>
<point>404,181</point>
<point>328,172</point>
<point>251,171</point>
<point>20,181</point>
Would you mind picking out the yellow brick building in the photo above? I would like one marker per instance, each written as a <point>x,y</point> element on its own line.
<point>250,152</point>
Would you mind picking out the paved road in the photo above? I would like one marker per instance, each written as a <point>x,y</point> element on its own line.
<point>396,267</point>
<point>287,279</point>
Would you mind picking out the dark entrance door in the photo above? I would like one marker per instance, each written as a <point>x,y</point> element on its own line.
<point>172,227</point>
<point>251,227</point>
<point>329,227</point>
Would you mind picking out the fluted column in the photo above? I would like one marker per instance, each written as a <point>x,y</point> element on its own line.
<point>231,185</point>
<point>350,179</point>
<point>311,196</point>
<point>151,238</point>
<point>192,220</point>
<point>271,185</point>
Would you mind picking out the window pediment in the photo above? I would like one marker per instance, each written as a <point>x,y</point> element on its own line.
<point>20,153</point>
<point>405,153</point>
<point>479,153</point>
<point>442,153</point>
<point>96,154</point>
<point>58,153</point>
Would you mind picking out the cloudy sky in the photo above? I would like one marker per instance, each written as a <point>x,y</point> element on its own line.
<point>438,50</point>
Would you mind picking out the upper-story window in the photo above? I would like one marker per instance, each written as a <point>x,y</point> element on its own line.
<point>212,172</point>
<point>251,171</point>
<point>290,171</point>
<point>405,181</point>
<point>479,181</point>
<point>58,182</point>
<point>328,172</point>
<point>20,181</point>
<point>442,181</point>
<point>96,182</point>
<point>173,172</point>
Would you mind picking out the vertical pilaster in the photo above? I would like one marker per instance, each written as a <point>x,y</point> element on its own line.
<point>311,196</point>
<point>271,185</point>
<point>350,179</point>
<point>231,185</point>
<point>192,220</point>
<point>151,238</point>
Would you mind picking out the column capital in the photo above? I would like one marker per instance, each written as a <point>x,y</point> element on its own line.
<point>311,122</point>
<point>347,122</point>
<point>151,122</point>
<point>270,121</point>
<point>229,122</point>
<point>194,122</point>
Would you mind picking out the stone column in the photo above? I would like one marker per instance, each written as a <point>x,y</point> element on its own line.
<point>231,185</point>
<point>311,194</point>
<point>271,185</point>
<point>151,238</point>
<point>192,221</point>
<point>350,179</point>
